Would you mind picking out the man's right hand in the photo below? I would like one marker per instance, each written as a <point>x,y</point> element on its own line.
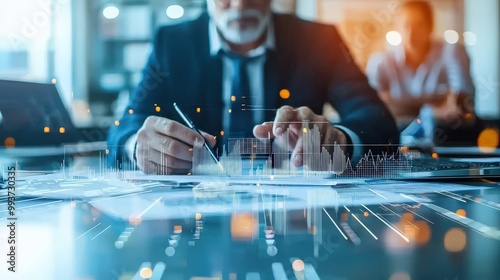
<point>165,146</point>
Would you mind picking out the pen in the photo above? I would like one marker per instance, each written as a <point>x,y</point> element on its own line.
<point>191,125</point>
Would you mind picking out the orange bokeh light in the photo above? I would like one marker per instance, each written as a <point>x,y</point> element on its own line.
<point>9,142</point>
<point>146,273</point>
<point>284,94</point>
<point>298,265</point>
<point>461,212</point>
<point>455,240</point>
<point>488,140</point>
<point>243,226</point>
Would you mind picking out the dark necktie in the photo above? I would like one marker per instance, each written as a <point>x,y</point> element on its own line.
<point>240,115</point>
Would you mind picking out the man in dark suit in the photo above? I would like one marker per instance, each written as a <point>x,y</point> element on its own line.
<point>229,70</point>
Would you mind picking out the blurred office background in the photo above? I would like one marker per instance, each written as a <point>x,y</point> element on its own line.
<point>94,50</point>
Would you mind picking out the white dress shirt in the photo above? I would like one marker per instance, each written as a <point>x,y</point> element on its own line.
<point>444,70</point>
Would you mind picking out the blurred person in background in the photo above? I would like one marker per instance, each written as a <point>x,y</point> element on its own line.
<point>424,73</point>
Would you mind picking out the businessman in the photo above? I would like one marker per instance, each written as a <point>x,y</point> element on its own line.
<point>242,71</point>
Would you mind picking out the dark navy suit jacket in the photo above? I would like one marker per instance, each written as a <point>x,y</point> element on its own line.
<point>310,60</point>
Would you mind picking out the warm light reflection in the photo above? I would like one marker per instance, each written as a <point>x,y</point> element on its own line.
<point>284,94</point>
<point>233,98</point>
<point>198,110</point>
<point>9,142</point>
<point>54,81</point>
<point>46,129</point>
<point>243,226</point>
<point>158,109</point>
<point>298,265</point>
<point>435,156</point>
<point>344,217</point>
<point>407,217</point>
<point>117,123</point>
<point>222,133</point>
<point>461,212</point>
<point>107,151</point>
<point>134,220</point>
<point>365,214</point>
<point>455,240</point>
<point>177,229</point>
<point>146,272</point>
<point>197,216</point>
<point>488,140</point>
<point>62,130</point>
<point>394,38</point>
<point>423,232</point>
<point>131,111</point>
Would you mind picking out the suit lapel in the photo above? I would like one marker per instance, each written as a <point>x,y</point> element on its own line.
<point>210,84</point>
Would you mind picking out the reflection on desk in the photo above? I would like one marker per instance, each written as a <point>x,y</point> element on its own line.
<point>264,232</point>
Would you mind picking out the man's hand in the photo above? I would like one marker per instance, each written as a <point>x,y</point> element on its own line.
<point>165,146</point>
<point>290,118</point>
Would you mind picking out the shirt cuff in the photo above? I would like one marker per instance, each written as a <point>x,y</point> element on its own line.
<point>357,146</point>
<point>129,147</point>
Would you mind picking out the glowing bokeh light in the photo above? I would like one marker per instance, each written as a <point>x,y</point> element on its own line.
<point>423,232</point>
<point>134,220</point>
<point>178,229</point>
<point>298,265</point>
<point>455,240</point>
<point>62,130</point>
<point>243,226</point>
<point>394,38</point>
<point>488,140</point>
<point>461,213</point>
<point>451,36</point>
<point>111,12</point>
<point>170,251</point>
<point>158,109</point>
<point>284,94</point>
<point>46,129</point>
<point>146,273</point>
<point>470,38</point>
<point>117,123</point>
<point>131,111</point>
<point>197,216</point>
<point>174,11</point>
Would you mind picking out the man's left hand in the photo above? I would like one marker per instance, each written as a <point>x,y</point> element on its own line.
<point>292,119</point>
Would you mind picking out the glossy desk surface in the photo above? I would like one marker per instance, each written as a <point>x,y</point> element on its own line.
<point>453,234</point>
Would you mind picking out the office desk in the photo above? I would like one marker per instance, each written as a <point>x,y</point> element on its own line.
<point>273,239</point>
